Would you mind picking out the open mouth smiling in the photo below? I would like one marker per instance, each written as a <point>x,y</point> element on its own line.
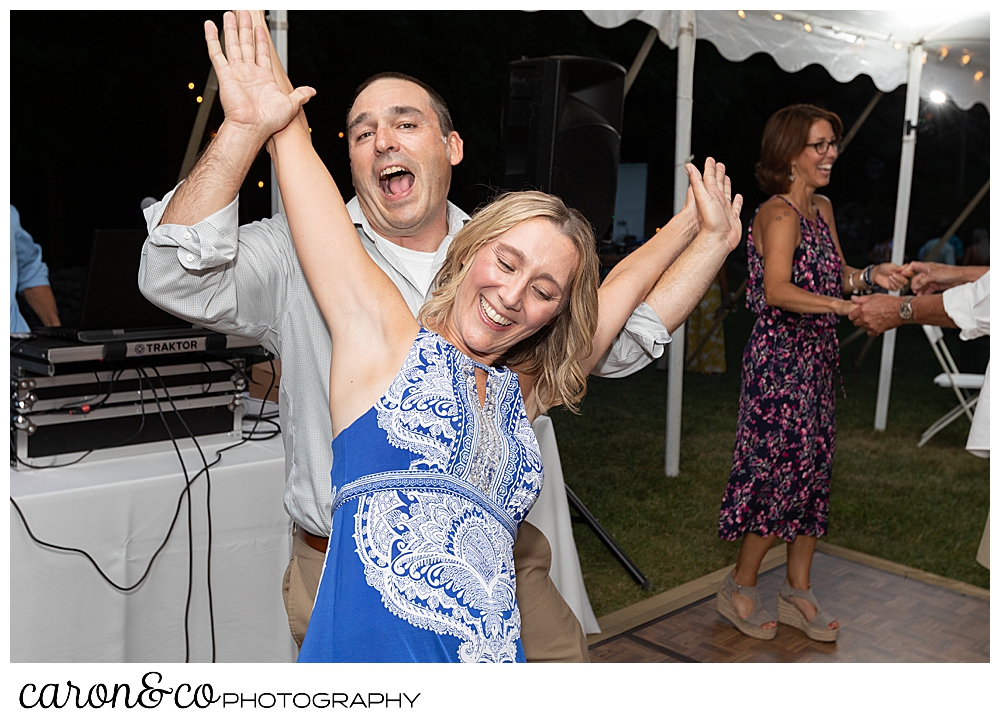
<point>492,313</point>
<point>395,180</point>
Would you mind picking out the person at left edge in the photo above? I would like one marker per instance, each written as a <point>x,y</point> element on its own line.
<point>29,276</point>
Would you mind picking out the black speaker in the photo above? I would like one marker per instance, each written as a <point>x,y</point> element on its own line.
<point>562,122</point>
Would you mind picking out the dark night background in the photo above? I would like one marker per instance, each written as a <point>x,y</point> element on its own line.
<point>101,114</point>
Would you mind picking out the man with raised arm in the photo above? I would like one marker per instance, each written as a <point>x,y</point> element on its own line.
<point>199,264</point>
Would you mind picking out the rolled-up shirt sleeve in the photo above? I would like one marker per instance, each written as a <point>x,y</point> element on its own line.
<point>205,245</point>
<point>217,274</point>
<point>968,306</point>
<point>642,340</point>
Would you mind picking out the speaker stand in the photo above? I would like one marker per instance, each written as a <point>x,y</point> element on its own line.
<point>607,539</point>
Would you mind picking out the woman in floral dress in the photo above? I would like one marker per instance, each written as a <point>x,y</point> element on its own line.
<point>780,480</point>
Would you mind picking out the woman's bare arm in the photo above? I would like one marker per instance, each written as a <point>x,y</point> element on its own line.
<point>776,236</point>
<point>710,214</point>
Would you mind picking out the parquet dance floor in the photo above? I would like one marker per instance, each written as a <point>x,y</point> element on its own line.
<point>884,617</point>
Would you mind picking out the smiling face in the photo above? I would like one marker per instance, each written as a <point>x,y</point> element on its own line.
<point>401,162</point>
<point>811,167</point>
<point>516,285</point>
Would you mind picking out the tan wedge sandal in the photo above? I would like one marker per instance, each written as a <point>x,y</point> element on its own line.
<point>751,624</point>
<point>789,613</point>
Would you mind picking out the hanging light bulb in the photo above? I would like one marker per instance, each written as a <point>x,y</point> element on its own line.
<point>978,75</point>
<point>897,46</point>
<point>938,97</point>
<point>944,53</point>
<point>779,17</point>
<point>199,99</point>
<point>966,58</point>
<point>743,16</point>
<point>807,27</point>
<point>260,184</point>
<point>190,86</point>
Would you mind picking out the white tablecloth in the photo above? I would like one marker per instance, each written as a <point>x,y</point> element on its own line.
<point>551,515</point>
<point>119,510</point>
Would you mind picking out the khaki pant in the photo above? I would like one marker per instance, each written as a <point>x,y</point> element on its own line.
<point>550,632</point>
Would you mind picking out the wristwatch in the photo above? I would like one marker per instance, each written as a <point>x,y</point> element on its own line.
<point>905,309</point>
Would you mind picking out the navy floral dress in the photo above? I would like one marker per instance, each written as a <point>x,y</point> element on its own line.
<point>780,480</point>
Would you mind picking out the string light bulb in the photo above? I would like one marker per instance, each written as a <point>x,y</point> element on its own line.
<point>743,16</point>
<point>897,46</point>
<point>966,58</point>
<point>190,86</point>
<point>807,27</point>
<point>260,184</point>
<point>779,17</point>
<point>978,75</point>
<point>944,53</point>
<point>340,135</point>
<point>199,99</point>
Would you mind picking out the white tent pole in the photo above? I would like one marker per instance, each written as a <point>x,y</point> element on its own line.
<point>682,154</point>
<point>917,55</point>
<point>278,22</point>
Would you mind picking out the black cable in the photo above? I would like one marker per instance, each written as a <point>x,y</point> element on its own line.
<point>113,379</point>
<point>187,485</point>
<point>185,494</point>
<point>142,424</point>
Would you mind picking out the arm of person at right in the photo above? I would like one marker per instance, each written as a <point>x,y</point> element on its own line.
<point>929,277</point>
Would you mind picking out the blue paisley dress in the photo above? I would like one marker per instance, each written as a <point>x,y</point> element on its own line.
<point>787,426</point>
<point>429,490</point>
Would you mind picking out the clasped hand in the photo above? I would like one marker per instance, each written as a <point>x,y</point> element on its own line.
<point>249,94</point>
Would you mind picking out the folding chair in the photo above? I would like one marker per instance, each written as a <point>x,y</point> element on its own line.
<point>953,379</point>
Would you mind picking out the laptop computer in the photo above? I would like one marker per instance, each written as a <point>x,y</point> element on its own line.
<point>113,307</point>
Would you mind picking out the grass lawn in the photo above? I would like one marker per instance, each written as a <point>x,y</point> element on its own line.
<point>922,507</point>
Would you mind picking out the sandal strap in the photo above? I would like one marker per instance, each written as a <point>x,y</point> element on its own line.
<point>821,619</point>
<point>760,615</point>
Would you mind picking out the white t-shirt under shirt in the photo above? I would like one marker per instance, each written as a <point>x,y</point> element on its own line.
<point>421,265</point>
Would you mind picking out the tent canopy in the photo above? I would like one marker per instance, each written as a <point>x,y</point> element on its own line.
<point>847,43</point>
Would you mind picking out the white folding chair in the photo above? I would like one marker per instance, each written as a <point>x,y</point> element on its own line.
<point>962,384</point>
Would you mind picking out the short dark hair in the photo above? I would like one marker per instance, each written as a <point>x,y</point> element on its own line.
<point>785,135</point>
<point>437,102</point>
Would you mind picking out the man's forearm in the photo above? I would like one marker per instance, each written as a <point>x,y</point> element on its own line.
<point>215,179</point>
<point>683,285</point>
<point>43,302</point>
<point>930,310</point>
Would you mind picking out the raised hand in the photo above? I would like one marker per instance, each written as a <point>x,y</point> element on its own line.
<point>248,91</point>
<point>718,211</point>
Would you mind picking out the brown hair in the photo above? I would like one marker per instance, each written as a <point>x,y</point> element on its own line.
<point>437,102</point>
<point>785,135</point>
<point>552,355</point>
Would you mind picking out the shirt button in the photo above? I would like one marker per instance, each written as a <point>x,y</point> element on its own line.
<point>190,257</point>
<point>187,235</point>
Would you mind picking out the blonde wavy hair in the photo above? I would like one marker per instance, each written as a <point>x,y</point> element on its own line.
<point>554,354</point>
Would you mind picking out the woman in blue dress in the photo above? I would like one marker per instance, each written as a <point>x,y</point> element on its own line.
<point>435,460</point>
